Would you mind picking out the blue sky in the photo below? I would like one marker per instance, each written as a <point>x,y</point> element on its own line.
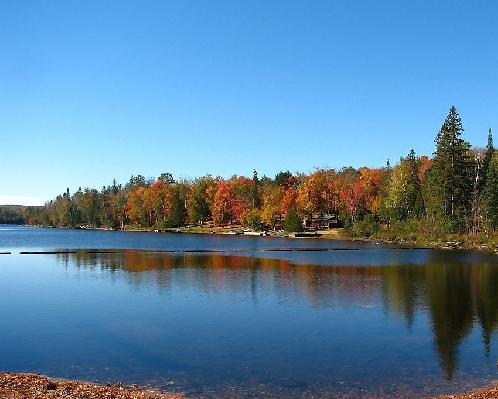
<point>96,90</point>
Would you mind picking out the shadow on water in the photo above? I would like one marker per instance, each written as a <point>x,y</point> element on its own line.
<point>454,295</point>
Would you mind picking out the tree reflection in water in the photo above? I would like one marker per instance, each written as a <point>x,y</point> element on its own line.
<point>455,295</point>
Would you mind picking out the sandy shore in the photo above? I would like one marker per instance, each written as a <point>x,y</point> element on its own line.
<point>33,386</point>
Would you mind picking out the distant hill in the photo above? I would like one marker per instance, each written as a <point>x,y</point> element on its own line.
<point>12,214</point>
<point>19,207</point>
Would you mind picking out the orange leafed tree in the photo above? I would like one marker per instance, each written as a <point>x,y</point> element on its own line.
<point>224,201</point>
<point>350,191</point>
<point>288,200</point>
<point>272,200</point>
<point>310,197</point>
<point>371,182</point>
<point>135,206</point>
<point>242,203</point>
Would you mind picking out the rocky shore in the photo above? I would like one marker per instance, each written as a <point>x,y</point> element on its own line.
<point>488,393</point>
<point>34,386</point>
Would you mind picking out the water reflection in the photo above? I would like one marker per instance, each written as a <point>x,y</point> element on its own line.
<point>455,296</point>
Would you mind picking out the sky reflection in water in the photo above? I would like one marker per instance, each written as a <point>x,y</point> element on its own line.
<point>367,321</point>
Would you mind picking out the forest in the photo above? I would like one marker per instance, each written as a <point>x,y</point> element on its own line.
<point>12,215</point>
<point>455,191</point>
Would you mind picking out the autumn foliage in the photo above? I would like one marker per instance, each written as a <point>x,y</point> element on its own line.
<point>254,202</point>
<point>451,190</point>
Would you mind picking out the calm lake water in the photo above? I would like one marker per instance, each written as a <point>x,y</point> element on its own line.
<point>247,316</point>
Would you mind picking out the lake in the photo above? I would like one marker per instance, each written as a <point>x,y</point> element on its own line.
<point>247,317</point>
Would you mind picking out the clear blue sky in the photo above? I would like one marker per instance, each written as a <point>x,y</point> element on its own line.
<point>96,90</point>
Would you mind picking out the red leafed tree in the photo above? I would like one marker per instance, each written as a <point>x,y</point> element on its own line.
<point>352,196</point>
<point>224,203</point>
<point>288,200</point>
<point>242,204</point>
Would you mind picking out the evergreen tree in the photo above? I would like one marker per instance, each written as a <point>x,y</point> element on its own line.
<point>489,196</point>
<point>450,178</point>
<point>256,203</point>
<point>284,179</point>
<point>167,178</point>
<point>482,161</point>
<point>487,159</point>
<point>384,209</point>
<point>292,222</point>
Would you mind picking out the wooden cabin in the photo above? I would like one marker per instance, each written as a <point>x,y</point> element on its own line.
<point>323,222</point>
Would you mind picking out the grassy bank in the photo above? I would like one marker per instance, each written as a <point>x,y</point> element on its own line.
<point>419,233</point>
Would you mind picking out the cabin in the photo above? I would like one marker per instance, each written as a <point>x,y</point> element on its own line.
<point>323,222</point>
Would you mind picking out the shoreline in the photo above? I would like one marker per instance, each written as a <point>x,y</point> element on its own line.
<point>469,243</point>
<point>485,393</point>
<point>460,244</point>
<point>36,386</point>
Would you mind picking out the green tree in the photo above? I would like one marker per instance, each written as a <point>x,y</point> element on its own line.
<point>293,222</point>
<point>255,196</point>
<point>178,211</point>
<point>489,196</point>
<point>450,178</point>
<point>384,209</point>
<point>284,179</point>
<point>198,207</point>
<point>482,162</point>
<point>167,178</point>
<point>403,199</point>
<point>490,150</point>
<point>253,219</point>
<point>365,226</point>
<point>413,200</point>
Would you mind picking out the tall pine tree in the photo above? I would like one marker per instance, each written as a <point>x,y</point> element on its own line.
<point>489,196</point>
<point>483,160</point>
<point>450,178</point>
<point>490,150</point>
<point>385,208</point>
<point>489,184</point>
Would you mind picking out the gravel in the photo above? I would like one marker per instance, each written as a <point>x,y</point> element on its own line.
<point>34,386</point>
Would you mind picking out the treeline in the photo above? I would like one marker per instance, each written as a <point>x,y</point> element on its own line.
<point>455,191</point>
<point>10,215</point>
